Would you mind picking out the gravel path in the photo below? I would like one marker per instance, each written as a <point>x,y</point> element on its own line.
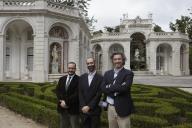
<point>9,119</point>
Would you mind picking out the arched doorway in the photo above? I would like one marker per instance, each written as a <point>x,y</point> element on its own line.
<point>58,49</point>
<point>97,54</point>
<point>19,38</point>
<point>183,57</point>
<point>164,59</point>
<point>114,48</point>
<point>138,52</point>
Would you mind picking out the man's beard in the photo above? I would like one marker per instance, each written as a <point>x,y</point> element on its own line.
<point>91,68</point>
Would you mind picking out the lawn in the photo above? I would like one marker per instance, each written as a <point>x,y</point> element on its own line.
<point>156,107</point>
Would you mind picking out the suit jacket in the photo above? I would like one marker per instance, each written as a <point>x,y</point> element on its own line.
<point>70,96</point>
<point>120,91</point>
<point>90,95</point>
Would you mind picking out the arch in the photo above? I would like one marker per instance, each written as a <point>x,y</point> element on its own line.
<point>141,32</point>
<point>66,27</point>
<point>16,37</point>
<point>121,49</point>
<point>12,19</point>
<point>164,59</point>
<point>97,54</point>
<point>112,49</point>
<point>58,32</point>
<point>138,51</point>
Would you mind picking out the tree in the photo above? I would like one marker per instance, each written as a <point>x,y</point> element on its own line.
<point>183,25</point>
<point>157,28</point>
<point>109,29</point>
<point>82,5</point>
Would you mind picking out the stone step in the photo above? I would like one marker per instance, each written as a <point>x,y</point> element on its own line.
<point>143,73</point>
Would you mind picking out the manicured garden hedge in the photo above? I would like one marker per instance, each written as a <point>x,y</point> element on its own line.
<point>156,107</point>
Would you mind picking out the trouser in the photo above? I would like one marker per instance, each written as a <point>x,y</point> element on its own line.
<point>69,121</point>
<point>115,121</point>
<point>90,121</point>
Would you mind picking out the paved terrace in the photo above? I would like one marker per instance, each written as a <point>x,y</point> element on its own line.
<point>170,81</point>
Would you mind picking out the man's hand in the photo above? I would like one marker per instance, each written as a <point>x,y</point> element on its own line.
<point>62,104</point>
<point>85,109</point>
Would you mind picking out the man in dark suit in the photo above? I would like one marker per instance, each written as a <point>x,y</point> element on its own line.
<point>89,96</point>
<point>116,86</point>
<point>68,100</point>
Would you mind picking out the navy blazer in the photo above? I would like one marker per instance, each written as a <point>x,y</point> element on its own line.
<point>90,95</point>
<point>70,96</point>
<point>120,90</point>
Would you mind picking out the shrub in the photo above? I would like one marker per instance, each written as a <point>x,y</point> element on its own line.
<point>145,108</point>
<point>168,112</point>
<point>34,100</point>
<point>186,125</point>
<point>189,116</point>
<point>36,112</point>
<point>147,122</point>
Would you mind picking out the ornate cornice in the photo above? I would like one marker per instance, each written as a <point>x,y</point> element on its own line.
<point>168,39</point>
<point>110,39</point>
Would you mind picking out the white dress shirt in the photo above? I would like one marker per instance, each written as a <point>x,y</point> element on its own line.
<point>109,99</point>
<point>90,76</point>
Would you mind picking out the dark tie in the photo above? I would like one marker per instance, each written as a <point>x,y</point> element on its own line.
<point>67,84</point>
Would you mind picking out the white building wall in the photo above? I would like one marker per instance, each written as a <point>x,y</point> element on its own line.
<point>39,51</point>
<point>1,57</point>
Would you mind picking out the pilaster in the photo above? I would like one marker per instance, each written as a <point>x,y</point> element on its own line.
<point>2,58</point>
<point>176,71</point>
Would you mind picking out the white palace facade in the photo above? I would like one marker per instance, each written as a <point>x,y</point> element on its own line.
<point>39,37</point>
<point>147,52</point>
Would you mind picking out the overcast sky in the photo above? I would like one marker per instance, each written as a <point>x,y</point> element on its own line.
<point>109,12</point>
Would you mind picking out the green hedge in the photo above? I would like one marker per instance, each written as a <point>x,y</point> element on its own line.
<point>34,100</point>
<point>36,112</point>
<point>189,116</point>
<point>186,125</point>
<point>145,108</point>
<point>141,121</point>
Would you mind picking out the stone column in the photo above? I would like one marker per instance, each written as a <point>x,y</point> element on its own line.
<point>176,71</point>
<point>46,55</point>
<point>148,56</point>
<point>40,68</point>
<point>105,59</point>
<point>73,53</point>
<point>2,53</point>
<point>187,71</point>
<point>127,46</point>
<point>153,60</point>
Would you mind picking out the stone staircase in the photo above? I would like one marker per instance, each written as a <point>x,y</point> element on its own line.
<point>143,73</point>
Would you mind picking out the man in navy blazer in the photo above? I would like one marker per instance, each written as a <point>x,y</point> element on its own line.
<point>116,86</point>
<point>89,96</point>
<point>68,100</point>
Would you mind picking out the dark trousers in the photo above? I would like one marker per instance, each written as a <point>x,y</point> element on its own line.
<point>69,121</point>
<point>90,121</point>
